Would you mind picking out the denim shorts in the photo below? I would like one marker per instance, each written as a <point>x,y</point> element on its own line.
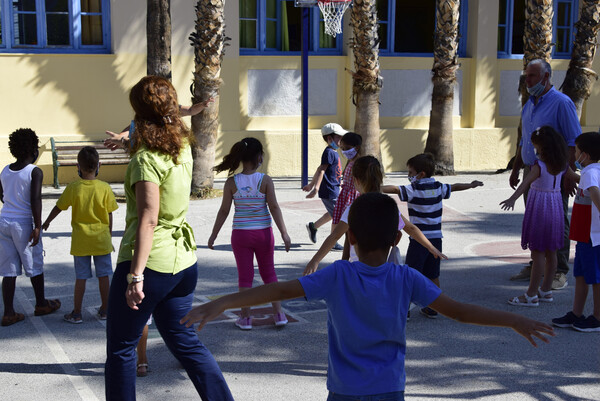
<point>329,205</point>
<point>83,266</point>
<point>16,254</point>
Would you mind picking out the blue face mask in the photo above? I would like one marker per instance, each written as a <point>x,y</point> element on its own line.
<point>578,165</point>
<point>537,89</point>
<point>412,179</point>
<point>333,145</point>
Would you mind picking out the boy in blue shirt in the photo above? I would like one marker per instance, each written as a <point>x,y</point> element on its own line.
<point>326,181</point>
<point>367,303</point>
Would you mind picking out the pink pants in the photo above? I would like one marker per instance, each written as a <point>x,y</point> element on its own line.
<point>246,244</point>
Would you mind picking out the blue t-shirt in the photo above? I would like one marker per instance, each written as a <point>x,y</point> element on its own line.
<point>330,186</point>
<point>554,109</point>
<point>366,322</point>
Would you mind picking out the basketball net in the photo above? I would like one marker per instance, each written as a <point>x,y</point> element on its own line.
<point>333,13</point>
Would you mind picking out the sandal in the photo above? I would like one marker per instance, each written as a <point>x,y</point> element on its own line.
<point>51,306</point>
<point>545,296</point>
<point>101,314</point>
<point>529,301</point>
<point>8,320</point>
<point>144,372</point>
<point>73,317</point>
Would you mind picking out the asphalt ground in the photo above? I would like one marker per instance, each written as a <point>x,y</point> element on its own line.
<point>45,358</point>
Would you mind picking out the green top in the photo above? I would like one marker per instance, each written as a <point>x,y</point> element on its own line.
<point>173,246</point>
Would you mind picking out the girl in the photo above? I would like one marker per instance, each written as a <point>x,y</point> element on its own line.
<point>350,145</point>
<point>368,177</point>
<point>252,234</point>
<point>543,220</point>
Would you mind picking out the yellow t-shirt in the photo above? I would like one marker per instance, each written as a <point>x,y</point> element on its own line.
<point>173,245</point>
<point>91,202</point>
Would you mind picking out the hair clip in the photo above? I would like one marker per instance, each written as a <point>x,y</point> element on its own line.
<point>245,143</point>
<point>167,119</point>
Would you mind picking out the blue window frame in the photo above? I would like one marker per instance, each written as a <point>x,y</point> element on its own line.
<point>273,27</point>
<point>511,26</point>
<point>55,26</point>
<point>406,27</point>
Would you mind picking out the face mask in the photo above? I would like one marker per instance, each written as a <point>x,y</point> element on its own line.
<point>537,89</point>
<point>333,145</point>
<point>578,165</point>
<point>350,153</point>
<point>412,179</point>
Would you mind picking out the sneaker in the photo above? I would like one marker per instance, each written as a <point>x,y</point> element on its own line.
<point>101,314</point>
<point>587,325</point>
<point>280,319</point>
<point>312,232</point>
<point>338,247</point>
<point>560,281</point>
<point>73,317</point>
<point>567,320</point>
<point>244,323</point>
<point>428,312</point>
<point>523,275</point>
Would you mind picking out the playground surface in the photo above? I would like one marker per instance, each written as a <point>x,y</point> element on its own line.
<point>45,358</point>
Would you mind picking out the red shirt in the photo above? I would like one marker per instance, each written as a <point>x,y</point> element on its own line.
<point>581,217</point>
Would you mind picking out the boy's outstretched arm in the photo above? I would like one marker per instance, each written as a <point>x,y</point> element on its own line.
<point>390,189</point>
<point>462,187</point>
<point>255,296</point>
<point>53,213</point>
<point>474,314</point>
<point>339,230</point>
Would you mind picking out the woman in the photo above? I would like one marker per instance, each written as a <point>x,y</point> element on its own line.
<point>156,269</point>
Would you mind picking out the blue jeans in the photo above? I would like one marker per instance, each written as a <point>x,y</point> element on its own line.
<point>393,396</point>
<point>168,298</point>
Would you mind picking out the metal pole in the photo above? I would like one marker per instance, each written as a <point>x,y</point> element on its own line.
<point>304,71</point>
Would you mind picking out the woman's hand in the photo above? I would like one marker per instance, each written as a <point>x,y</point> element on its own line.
<point>286,240</point>
<point>134,294</point>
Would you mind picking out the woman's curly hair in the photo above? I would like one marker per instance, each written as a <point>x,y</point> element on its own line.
<point>23,143</point>
<point>158,123</point>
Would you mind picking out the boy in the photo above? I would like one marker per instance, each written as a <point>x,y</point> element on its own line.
<point>20,222</point>
<point>367,302</point>
<point>585,229</point>
<point>92,203</point>
<point>424,197</point>
<point>326,180</point>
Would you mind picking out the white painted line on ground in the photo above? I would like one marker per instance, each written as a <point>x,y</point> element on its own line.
<point>53,345</point>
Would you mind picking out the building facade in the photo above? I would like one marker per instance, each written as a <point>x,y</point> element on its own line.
<point>68,66</point>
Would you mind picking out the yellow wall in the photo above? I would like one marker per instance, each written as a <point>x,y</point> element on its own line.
<point>80,96</point>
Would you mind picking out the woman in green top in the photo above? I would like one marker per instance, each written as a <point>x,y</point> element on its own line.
<point>156,269</point>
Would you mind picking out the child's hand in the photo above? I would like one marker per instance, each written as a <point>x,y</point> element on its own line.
<point>310,268</point>
<point>203,314</point>
<point>507,204</point>
<point>115,141</point>
<point>529,328</point>
<point>211,241</point>
<point>475,184</point>
<point>45,226</point>
<point>287,242</point>
<point>34,238</point>
<point>437,254</point>
<point>311,194</point>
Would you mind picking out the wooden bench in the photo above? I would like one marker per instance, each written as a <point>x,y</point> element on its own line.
<point>64,153</point>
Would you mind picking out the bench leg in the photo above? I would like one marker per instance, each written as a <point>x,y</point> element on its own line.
<point>55,168</point>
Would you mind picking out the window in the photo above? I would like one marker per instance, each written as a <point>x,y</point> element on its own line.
<point>274,27</point>
<point>55,26</point>
<point>511,26</point>
<point>407,27</point>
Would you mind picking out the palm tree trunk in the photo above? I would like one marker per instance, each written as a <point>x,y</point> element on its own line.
<point>366,82</point>
<point>209,42</point>
<point>445,64</point>
<point>158,36</point>
<point>578,81</point>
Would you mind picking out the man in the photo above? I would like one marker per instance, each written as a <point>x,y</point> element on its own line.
<point>547,106</point>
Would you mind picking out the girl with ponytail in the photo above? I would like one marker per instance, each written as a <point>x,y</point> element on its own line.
<point>253,195</point>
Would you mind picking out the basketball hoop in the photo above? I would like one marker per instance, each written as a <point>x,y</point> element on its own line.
<point>333,13</point>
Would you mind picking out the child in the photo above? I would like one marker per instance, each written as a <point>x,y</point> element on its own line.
<point>424,197</point>
<point>587,252</point>
<point>543,223</point>
<point>368,176</point>
<point>326,181</point>
<point>20,223</point>
<point>367,323</point>
<point>92,203</point>
<point>252,234</point>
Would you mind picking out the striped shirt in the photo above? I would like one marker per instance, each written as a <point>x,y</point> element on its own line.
<point>424,198</point>
<point>251,211</point>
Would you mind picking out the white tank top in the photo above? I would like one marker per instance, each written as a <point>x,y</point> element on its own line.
<point>17,192</point>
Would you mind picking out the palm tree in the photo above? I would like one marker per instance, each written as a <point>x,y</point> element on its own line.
<point>209,43</point>
<point>158,36</point>
<point>366,83</point>
<point>445,64</point>
<point>578,82</point>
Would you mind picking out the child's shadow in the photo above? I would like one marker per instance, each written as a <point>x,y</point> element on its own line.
<point>227,247</point>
